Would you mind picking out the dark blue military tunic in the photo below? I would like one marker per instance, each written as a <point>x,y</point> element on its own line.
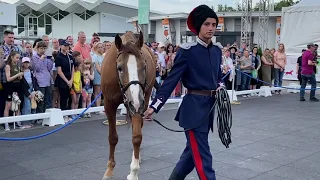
<point>198,65</point>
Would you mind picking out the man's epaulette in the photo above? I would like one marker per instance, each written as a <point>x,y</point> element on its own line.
<point>218,44</point>
<point>187,46</point>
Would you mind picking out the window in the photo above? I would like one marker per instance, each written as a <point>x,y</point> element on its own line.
<point>48,24</point>
<point>41,21</point>
<point>48,19</point>
<point>86,14</point>
<point>48,29</point>
<point>63,14</point>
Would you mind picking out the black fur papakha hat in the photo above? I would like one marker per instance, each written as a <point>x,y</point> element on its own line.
<point>198,15</point>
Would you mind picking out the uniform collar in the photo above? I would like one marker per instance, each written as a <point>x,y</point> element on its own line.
<point>203,43</point>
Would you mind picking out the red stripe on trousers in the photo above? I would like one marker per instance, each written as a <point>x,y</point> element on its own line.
<point>196,155</point>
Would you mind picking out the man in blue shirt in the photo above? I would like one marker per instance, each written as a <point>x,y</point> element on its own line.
<point>198,65</point>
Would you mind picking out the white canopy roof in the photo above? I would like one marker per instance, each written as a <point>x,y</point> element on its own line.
<point>300,25</point>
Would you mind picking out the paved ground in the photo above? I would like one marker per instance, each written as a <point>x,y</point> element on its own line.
<point>274,138</point>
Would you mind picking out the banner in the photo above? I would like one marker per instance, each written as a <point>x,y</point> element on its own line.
<point>220,24</point>
<point>290,72</point>
<point>143,11</point>
<point>166,30</point>
<point>278,32</point>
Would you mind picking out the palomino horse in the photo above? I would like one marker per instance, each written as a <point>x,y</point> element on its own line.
<point>128,75</point>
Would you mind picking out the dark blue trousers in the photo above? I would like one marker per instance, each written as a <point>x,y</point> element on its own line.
<point>196,155</point>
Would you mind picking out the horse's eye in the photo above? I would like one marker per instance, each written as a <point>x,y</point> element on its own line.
<point>119,69</point>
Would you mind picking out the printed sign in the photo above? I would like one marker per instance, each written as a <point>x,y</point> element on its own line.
<point>290,72</point>
<point>220,26</point>
<point>166,30</point>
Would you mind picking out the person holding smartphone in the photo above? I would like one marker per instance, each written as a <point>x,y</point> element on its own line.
<point>42,66</point>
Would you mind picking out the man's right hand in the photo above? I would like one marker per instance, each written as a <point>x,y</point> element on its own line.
<point>148,113</point>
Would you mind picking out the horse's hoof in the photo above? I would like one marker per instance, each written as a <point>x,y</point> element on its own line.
<point>108,178</point>
<point>131,177</point>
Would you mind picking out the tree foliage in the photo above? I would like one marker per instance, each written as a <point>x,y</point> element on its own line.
<point>284,3</point>
<point>277,6</point>
<point>225,8</point>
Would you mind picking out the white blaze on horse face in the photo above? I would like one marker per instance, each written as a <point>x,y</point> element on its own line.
<point>133,76</point>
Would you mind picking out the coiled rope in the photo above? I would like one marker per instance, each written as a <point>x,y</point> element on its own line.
<point>224,116</point>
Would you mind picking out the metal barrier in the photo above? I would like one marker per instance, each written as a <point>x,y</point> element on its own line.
<point>54,116</point>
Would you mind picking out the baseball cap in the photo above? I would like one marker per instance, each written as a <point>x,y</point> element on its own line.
<point>64,43</point>
<point>25,59</point>
<point>161,44</point>
<point>310,45</point>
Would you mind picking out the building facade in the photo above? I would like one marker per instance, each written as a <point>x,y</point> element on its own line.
<point>229,28</point>
<point>59,20</point>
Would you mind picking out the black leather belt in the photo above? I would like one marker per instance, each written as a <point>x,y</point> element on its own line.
<point>210,93</point>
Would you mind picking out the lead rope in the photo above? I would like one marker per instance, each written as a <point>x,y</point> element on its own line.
<point>224,117</point>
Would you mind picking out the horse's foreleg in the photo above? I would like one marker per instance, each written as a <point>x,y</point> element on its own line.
<point>136,141</point>
<point>113,140</point>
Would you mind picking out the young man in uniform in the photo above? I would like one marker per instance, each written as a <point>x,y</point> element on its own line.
<point>198,65</point>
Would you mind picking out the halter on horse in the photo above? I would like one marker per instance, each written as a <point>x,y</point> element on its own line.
<point>128,75</point>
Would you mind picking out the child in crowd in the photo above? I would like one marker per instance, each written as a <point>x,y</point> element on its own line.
<point>28,83</point>
<point>87,84</point>
<point>77,57</point>
<point>12,84</point>
<point>76,87</point>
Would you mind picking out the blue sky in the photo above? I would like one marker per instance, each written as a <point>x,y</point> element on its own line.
<point>169,6</point>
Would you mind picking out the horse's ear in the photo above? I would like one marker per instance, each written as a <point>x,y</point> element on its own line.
<point>118,42</point>
<point>140,42</point>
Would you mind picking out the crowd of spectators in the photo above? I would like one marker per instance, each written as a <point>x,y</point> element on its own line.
<point>68,74</point>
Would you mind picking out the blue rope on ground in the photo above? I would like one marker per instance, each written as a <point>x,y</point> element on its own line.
<point>65,125</point>
<point>307,89</point>
<point>53,131</point>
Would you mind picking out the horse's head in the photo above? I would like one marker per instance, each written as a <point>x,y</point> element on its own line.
<point>131,68</point>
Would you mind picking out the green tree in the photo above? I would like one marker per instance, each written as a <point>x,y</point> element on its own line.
<point>239,8</point>
<point>220,8</point>
<point>278,6</point>
<point>284,3</point>
<point>225,8</point>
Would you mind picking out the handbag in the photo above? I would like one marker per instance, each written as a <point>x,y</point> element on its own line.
<point>254,73</point>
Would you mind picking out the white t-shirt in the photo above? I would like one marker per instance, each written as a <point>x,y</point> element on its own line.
<point>161,59</point>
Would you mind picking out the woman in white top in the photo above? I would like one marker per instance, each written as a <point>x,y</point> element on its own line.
<point>227,65</point>
<point>97,59</point>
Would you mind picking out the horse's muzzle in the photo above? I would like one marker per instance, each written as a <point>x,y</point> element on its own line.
<point>136,106</point>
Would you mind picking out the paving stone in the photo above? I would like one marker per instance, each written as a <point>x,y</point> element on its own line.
<point>293,173</point>
<point>278,140</point>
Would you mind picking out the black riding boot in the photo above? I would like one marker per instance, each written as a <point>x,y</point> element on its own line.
<point>175,176</point>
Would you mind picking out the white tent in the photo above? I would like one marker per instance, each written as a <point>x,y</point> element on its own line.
<point>300,25</point>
